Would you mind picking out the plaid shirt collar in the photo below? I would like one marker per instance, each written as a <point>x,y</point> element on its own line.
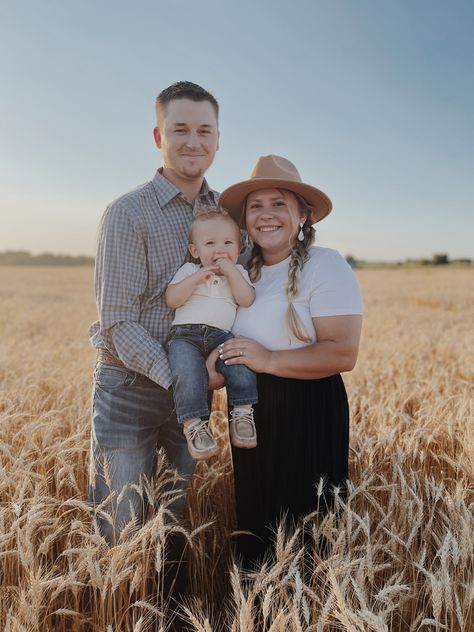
<point>167,191</point>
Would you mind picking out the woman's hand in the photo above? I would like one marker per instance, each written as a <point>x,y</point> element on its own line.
<point>246,351</point>
<point>216,380</point>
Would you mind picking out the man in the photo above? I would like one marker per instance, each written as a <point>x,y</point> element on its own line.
<point>142,243</point>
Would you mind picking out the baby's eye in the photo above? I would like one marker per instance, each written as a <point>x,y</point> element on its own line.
<point>209,243</point>
<point>229,242</point>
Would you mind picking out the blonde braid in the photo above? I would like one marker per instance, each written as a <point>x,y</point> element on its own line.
<point>299,256</point>
<point>255,263</point>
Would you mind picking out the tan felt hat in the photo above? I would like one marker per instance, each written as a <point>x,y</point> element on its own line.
<point>274,172</point>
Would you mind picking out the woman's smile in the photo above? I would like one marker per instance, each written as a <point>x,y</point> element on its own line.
<point>272,218</point>
<point>268,229</point>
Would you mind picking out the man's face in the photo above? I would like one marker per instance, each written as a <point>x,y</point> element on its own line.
<point>188,137</point>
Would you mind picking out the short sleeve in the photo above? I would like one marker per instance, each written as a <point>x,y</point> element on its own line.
<point>184,272</point>
<point>244,273</point>
<point>335,290</point>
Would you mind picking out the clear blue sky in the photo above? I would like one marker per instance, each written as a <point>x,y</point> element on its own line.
<point>373,100</point>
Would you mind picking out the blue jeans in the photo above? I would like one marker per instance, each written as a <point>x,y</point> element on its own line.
<point>131,418</point>
<point>188,348</point>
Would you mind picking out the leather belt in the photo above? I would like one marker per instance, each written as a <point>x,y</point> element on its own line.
<point>105,357</point>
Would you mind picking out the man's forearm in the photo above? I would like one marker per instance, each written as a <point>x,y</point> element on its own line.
<point>140,352</point>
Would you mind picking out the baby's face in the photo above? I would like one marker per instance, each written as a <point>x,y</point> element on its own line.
<point>214,239</point>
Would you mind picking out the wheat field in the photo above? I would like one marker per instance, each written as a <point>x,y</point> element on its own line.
<point>399,556</point>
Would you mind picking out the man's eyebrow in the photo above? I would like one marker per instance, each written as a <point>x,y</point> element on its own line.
<point>186,124</point>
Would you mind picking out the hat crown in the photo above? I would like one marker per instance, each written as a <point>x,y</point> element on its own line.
<point>275,167</point>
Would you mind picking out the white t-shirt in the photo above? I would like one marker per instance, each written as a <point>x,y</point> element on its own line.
<point>327,287</point>
<point>211,303</point>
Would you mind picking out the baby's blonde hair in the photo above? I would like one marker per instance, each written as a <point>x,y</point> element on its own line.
<point>299,256</point>
<point>206,213</point>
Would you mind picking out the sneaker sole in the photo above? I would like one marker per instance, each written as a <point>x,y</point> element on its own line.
<point>238,442</point>
<point>202,456</point>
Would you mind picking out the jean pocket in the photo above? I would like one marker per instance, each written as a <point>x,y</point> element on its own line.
<point>112,376</point>
<point>176,332</point>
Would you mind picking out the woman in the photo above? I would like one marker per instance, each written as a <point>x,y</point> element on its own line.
<point>301,332</point>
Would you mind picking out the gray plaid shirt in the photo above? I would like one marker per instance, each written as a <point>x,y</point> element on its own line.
<point>143,239</point>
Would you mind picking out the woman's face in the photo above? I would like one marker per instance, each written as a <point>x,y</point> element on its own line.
<point>272,217</point>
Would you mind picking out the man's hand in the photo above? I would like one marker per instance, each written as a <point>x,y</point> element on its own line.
<point>216,380</point>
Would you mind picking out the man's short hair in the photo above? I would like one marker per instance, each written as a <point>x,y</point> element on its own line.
<point>184,90</point>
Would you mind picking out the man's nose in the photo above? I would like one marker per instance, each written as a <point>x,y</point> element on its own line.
<point>192,140</point>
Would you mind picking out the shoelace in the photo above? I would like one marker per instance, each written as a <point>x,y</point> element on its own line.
<point>199,430</point>
<point>245,417</point>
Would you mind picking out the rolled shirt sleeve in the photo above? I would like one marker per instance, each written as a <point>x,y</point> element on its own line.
<point>121,281</point>
<point>141,244</point>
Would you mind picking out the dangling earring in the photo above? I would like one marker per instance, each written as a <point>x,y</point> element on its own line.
<point>301,234</point>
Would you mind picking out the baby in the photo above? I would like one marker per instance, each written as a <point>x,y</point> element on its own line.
<point>206,297</point>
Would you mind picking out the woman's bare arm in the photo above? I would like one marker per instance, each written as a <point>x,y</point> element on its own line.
<point>334,351</point>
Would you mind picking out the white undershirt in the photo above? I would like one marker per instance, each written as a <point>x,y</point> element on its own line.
<point>327,287</point>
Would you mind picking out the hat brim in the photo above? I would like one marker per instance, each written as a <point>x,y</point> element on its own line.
<point>232,199</point>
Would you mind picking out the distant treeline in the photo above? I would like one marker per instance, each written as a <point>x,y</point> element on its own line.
<point>438,259</point>
<point>24,258</point>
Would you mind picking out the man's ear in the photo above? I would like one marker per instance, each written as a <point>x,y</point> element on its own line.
<point>193,250</point>
<point>157,137</point>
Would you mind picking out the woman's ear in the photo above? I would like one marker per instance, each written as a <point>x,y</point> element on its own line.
<point>305,215</point>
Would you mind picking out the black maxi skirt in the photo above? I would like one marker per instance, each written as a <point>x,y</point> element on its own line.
<point>303,435</point>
